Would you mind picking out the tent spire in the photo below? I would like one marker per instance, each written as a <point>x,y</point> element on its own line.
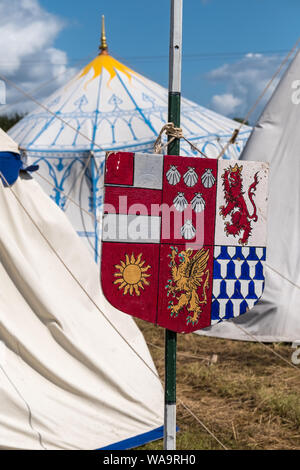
<point>103,46</point>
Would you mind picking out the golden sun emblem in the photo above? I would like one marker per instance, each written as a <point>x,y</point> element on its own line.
<point>132,275</point>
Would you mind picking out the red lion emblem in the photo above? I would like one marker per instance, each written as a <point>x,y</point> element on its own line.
<point>236,205</point>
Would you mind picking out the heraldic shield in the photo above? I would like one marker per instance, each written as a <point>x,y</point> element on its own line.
<point>184,239</point>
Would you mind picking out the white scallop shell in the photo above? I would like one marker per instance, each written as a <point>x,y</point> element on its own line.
<point>180,202</point>
<point>173,175</point>
<point>190,178</point>
<point>208,179</point>
<point>188,231</point>
<point>198,203</point>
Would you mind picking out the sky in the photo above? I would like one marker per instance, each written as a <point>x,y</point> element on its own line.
<point>231,48</point>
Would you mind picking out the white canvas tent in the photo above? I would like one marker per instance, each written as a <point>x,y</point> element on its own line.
<point>74,372</point>
<point>7,144</point>
<point>276,139</point>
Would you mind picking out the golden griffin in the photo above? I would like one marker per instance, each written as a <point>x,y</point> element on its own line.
<point>188,277</point>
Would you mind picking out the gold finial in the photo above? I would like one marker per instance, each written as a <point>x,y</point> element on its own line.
<point>103,46</point>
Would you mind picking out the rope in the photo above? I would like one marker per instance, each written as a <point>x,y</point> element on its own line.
<point>68,197</point>
<point>201,423</point>
<point>79,177</point>
<point>283,277</point>
<point>236,131</point>
<point>267,347</point>
<point>174,133</point>
<point>232,140</point>
<point>255,338</point>
<point>179,353</point>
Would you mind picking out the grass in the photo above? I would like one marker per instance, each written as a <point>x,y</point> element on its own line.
<point>248,397</point>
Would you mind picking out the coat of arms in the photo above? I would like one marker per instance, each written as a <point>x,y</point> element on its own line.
<point>183,242</point>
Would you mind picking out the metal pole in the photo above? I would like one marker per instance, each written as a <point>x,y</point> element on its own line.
<point>94,177</point>
<point>173,149</point>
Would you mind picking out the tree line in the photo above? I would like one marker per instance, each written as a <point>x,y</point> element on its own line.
<point>6,122</point>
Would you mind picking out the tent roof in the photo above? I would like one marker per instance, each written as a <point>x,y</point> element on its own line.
<point>117,108</point>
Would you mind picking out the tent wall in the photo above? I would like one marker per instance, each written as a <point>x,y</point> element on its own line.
<point>276,140</point>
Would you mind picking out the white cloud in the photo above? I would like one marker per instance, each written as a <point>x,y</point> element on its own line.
<point>244,81</point>
<point>27,53</point>
<point>226,103</point>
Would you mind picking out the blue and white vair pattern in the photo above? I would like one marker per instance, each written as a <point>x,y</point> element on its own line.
<point>238,280</point>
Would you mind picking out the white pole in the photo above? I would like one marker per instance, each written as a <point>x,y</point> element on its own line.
<point>173,149</point>
<point>175,46</point>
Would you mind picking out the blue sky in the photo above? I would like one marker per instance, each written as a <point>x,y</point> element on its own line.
<point>217,36</point>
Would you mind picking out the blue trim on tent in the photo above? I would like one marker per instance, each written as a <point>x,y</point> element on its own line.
<point>56,114</point>
<point>137,441</point>
<point>136,106</point>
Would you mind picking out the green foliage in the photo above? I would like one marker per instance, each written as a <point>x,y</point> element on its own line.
<point>285,404</point>
<point>6,122</point>
<point>238,119</point>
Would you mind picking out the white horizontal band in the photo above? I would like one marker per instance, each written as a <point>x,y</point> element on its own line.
<point>131,228</point>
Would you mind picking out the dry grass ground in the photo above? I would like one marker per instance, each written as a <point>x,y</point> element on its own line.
<point>248,398</point>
